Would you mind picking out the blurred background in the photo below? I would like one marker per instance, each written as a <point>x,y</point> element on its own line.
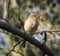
<point>19,10</point>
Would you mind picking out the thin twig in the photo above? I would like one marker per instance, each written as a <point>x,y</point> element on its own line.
<point>14,47</point>
<point>51,30</point>
<point>18,52</point>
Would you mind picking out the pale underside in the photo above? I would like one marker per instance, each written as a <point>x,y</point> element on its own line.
<point>30,25</point>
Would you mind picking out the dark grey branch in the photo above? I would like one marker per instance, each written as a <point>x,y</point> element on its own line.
<point>6,26</point>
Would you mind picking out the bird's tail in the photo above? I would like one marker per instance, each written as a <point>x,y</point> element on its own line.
<point>23,43</point>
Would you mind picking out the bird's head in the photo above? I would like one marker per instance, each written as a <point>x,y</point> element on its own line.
<point>33,15</point>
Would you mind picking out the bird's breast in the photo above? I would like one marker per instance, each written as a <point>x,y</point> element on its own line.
<point>30,25</point>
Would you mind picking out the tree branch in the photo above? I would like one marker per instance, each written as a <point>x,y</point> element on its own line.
<point>50,31</point>
<point>27,37</point>
<point>6,10</point>
<point>14,47</point>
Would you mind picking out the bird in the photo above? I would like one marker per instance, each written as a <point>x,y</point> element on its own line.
<point>31,24</point>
